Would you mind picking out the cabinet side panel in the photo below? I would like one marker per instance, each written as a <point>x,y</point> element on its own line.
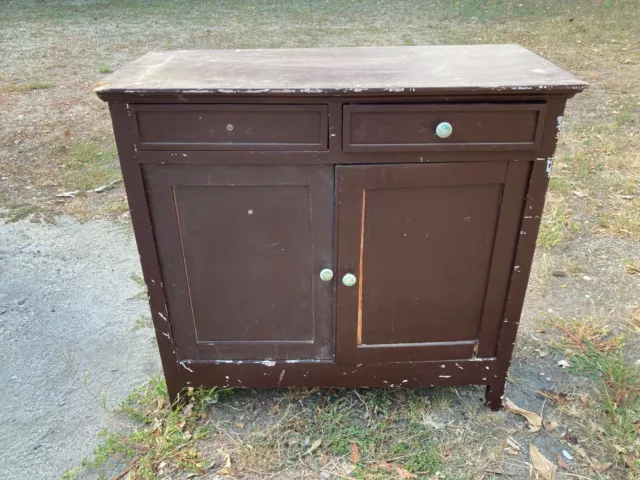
<point>140,217</point>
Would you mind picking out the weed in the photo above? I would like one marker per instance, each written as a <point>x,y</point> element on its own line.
<point>88,166</point>
<point>143,321</point>
<point>385,432</point>
<point>593,354</point>
<point>25,87</point>
<point>557,225</point>
<point>165,439</point>
<point>586,334</point>
<point>142,293</point>
<point>104,69</point>
<point>17,213</point>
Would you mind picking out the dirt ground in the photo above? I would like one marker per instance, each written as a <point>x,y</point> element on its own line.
<point>55,138</point>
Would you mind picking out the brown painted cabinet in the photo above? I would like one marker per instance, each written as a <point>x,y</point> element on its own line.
<point>337,217</point>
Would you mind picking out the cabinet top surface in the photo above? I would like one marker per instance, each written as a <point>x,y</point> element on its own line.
<point>348,71</point>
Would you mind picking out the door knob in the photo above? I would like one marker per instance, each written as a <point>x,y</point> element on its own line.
<point>444,130</point>
<point>349,280</point>
<point>326,274</point>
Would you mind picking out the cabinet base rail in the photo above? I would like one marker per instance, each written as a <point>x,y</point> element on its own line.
<point>301,374</point>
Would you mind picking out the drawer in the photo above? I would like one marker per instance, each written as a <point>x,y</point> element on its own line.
<point>231,127</point>
<point>412,127</point>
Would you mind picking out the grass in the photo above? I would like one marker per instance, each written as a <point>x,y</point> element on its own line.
<point>143,321</point>
<point>16,213</point>
<point>376,432</point>
<point>614,414</point>
<point>25,87</point>
<point>87,165</point>
<point>105,69</point>
<point>163,440</point>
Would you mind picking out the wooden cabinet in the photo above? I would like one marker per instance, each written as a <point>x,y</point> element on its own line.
<point>337,217</point>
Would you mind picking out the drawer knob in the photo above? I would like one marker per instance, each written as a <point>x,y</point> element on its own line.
<point>349,280</point>
<point>444,130</point>
<point>326,274</point>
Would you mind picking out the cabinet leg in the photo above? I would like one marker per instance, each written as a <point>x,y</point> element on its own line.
<point>494,394</point>
<point>174,389</point>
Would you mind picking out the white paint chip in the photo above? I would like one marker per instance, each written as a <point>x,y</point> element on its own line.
<point>184,365</point>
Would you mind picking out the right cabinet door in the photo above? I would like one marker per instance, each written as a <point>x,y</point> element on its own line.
<point>431,248</point>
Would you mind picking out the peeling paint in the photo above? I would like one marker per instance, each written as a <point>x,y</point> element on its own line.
<point>293,361</point>
<point>549,166</point>
<point>560,125</point>
<point>183,364</point>
<point>162,316</point>
<point>268,363</point>
<point>445,376</point>
<point>166,335</point>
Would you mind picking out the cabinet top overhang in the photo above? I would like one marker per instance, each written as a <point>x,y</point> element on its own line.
<point>456,69</point>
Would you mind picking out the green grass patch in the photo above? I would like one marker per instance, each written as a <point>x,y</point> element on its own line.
<point>104,69</point>
<point>618,396</point>
<point>557,225</point>
<point>88,166</point>
<point>25,87</point>
<point>143,321</point>
<point>164,440</point>
<point>15,213</point>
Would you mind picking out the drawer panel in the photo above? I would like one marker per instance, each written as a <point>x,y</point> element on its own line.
<point>412,127</point>
<point>231,127</point>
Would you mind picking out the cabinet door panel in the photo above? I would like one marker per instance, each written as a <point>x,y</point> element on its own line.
<point>421,240</point>
<point>240,259</point>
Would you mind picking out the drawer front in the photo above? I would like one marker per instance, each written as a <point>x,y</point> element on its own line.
<point>402,128</point>
<point>231,127</point>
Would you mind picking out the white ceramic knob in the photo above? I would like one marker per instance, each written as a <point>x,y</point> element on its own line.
<point>444,130</point>
<point>326,274</point>
<point>349,280</point>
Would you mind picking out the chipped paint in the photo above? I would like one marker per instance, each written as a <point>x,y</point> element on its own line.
<point>292,361</point>
<point>268,363</point>
<point>183,364</point>
<point>166,335</point>
<point>162,316</point>
<point>445,376</point>
<point>560,124</point>
<point>549,166</point>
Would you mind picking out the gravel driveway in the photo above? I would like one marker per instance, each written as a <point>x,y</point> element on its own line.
<point>67,317</point>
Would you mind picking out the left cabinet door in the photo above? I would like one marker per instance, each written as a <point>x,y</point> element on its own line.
<point>240,250</point>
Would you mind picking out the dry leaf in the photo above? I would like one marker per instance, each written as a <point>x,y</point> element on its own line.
<point>403,473</point>
<point>555,397</point>
<point>240,425</point>
<point>541,465</point>
<point>226,470</point>
<point>535,422</point>
<point>601,467</point>
<point>570,437</point>
<point>161,402</point>
<point>550,425</point>
<point>511,451</point>
<point>632,269</point>
<point>382,465</point>
<point>314,446</point>
<point>513,444</point>
<point>630,462</point>
<point>355,453</point>
<point>561,463</point>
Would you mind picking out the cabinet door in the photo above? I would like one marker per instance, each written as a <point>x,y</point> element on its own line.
<point>431,247</point>
<point>240,249</point>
